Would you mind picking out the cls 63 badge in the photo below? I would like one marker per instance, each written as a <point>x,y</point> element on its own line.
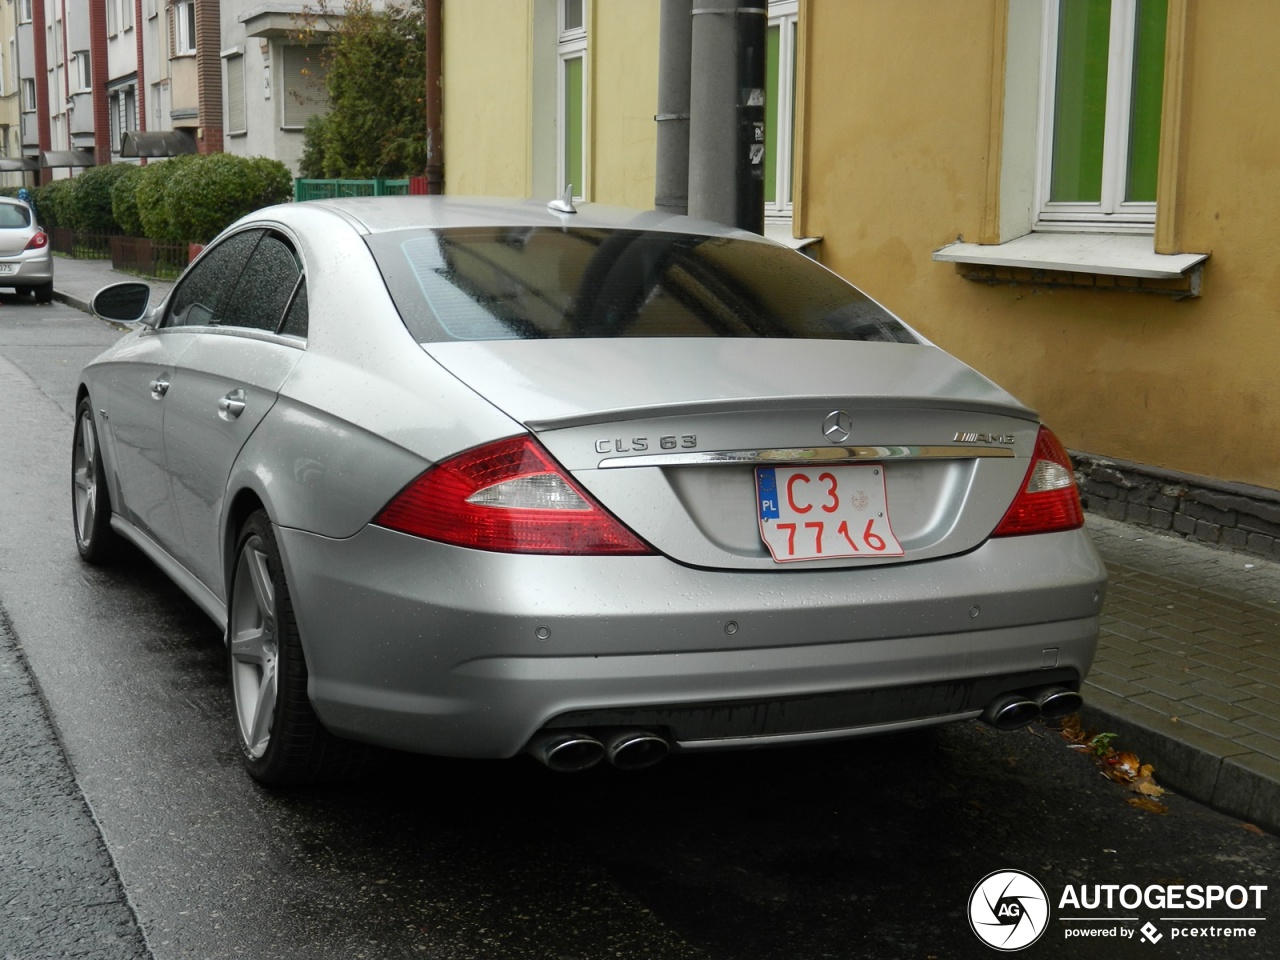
<point>684,441</point>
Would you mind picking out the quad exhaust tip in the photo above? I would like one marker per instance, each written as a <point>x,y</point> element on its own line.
<point>1058,702</point>
<point>1011,711</point>
<point>569,751</point>
<point>635,749</point>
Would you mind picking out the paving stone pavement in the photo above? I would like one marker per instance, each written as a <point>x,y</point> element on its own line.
<point>1188,667</point>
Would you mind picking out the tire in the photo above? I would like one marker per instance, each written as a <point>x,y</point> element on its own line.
<point>282,741</point>
<point>90,501</point>
<point>43,292</point>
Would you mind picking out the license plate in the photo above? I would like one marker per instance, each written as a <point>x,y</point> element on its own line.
<point>822,513</point>
<point>8,269</point>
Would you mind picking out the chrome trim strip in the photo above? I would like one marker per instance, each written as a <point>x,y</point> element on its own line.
<point>807,455</point>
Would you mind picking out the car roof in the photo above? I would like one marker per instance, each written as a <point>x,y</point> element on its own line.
<point>387,214</point>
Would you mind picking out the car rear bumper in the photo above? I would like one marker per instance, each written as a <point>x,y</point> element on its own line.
<point>443,650</point>
<point>26,271</point>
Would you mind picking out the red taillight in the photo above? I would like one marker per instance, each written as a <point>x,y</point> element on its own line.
<point>41,239</point>
<point>510,497</point>
<point>1048,499</point>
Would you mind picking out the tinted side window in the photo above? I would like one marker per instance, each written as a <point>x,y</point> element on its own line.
<point>195,302</point>
<point>295,322</point>
<point>267,282</point>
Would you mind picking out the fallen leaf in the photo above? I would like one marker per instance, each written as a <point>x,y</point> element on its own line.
<point>1147,787</point>
<point>1129,763</point>
<point>1254,829</point>
<point>1147,804</point>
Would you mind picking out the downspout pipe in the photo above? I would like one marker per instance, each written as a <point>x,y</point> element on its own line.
<point>142,67</point>
<point>101,108</point>
<point>40,49</point>
<point>726,113</point>
<point>675,55</point>
<point>435,97</point>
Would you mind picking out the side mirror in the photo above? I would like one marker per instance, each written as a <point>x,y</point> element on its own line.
<point>128,302</point>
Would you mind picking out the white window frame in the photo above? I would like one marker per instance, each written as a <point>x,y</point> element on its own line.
<point>24,11</point>
<point>184,23</point>
<point>236,93</point>
<point>113,17</point>
<point>293,114</point>
<point>83,71</point>
<point>785,15</point>
<point>1113,214</point>
<point>571,45</point>
<point>28,95</point>
<point>126,15</point>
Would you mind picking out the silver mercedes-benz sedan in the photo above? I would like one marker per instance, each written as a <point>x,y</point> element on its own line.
<point>475,478</point>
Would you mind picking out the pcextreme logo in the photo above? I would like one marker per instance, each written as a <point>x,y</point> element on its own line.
<point>1009,910</point>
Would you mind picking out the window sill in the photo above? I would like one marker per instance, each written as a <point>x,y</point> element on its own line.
<point>780,231</point>
<point>1114,261</point>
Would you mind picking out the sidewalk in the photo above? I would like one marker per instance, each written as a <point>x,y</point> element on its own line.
<point>1188,667</point>
<point>76,281</point>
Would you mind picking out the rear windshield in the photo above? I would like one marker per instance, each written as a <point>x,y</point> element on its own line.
<point>13,215</point>
<point>532,283</point>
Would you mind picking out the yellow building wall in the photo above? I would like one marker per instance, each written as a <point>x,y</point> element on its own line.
<point>898,118</point>
<point>489,97</point>
<point>487,112</point>
<point>623,46</point>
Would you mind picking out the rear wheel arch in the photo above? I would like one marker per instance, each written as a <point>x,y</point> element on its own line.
<point>241,506</point>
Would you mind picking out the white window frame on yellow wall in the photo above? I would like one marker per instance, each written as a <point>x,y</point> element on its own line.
<point>784,16</point>
<point>572,84</point>
<point>1111,210</point>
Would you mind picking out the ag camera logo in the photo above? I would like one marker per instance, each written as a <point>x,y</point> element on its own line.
<point>1008,910</point>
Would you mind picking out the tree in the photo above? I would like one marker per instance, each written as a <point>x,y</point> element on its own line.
<point>375,73</point>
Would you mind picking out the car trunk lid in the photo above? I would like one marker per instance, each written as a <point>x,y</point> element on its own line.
<point>681,439</point>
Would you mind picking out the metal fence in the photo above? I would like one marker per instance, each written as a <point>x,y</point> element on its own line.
<point>81,246</point>
<point>328,189</point>
<point>164,261</point>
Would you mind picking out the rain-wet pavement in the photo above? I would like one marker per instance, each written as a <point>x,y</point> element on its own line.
<point>869,848</point>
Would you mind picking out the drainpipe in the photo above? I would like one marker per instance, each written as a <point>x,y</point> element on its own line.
<point>435,97</point>
<point>66,77</point>
<point>41,52</point>
<point>675,52</point>
<point>98,80</point>
<point>142,68</point>
<point>726,113</point>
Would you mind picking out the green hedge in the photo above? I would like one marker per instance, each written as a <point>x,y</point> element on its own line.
<point>53,202</point>
<point>185,199</point>
<point>89,205</point>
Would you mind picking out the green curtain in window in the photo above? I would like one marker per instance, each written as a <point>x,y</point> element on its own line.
<point>1080,101</point>
<point>772,50</point>
<point>573,123</point>
<point>1148,87</point>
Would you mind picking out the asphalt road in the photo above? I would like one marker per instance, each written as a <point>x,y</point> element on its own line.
<point>867,849</point>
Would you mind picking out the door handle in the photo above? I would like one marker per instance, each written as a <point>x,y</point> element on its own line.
<point>159,387</point>
<point>232,405</point>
